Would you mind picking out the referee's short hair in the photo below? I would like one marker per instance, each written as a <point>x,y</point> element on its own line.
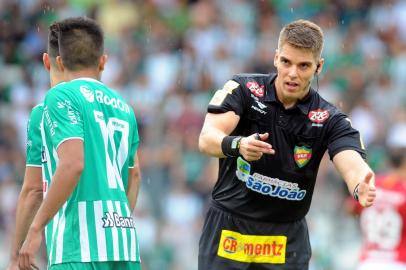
<point>302,34</point>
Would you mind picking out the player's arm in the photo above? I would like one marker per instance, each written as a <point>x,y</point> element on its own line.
<point>217,126</point>
<point>134,180</point>
<point>67,175</point>
<point>29,200</point>
<point>357,175</point>
<point>348,155</point>
<point>64,181</point>
<point>30,196</point>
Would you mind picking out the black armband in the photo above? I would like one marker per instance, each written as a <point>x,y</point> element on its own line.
<point>355,192</point>
<point>230,145</point>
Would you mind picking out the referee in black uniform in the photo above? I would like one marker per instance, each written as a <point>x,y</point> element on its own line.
<point>270,133</point>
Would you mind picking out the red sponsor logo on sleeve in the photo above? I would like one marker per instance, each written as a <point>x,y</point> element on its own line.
<point>256,89</point>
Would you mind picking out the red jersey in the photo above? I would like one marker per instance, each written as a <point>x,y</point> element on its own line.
<point>383,224</point>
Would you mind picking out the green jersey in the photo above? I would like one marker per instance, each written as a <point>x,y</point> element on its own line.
<point>34,149</point>
<point>34,145</point>
<point>95,223</point>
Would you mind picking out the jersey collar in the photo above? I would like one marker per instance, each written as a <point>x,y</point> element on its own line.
<point>86,79</point>
<point>303,105</point>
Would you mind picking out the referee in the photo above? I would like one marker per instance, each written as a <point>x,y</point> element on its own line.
<point>270,133</point>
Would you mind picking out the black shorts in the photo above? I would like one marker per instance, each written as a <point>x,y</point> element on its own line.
<point>229,242</point>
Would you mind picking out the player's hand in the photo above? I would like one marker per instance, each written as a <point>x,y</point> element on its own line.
<point>367,190</point>
<point>26,260</point>
<point>254,146</point>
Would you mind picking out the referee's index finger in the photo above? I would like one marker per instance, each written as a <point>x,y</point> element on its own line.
<point>260,143</point>
<point>264,150</point>
<point>262,147</point>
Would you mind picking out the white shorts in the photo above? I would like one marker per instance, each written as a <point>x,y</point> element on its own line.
<point>372,265</point>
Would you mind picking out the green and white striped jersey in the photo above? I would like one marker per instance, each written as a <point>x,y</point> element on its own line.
<point>34,149</point>
<point>34,141</point>
<point>95,223</point>
<point>34,144</point>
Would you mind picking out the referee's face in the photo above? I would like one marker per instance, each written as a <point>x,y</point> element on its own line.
<point>296,68</point>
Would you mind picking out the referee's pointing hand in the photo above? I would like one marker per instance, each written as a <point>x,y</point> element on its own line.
<point>367,190</point>
<point>254,146</point>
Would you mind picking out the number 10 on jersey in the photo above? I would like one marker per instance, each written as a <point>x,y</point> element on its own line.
<point>118,154</point>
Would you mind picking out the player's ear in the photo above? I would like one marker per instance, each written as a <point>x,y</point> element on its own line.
<point>103,61</point>
<point>319,66</point>
<point>45,61</point>
<point>276,57</point>
<point>59,62</point>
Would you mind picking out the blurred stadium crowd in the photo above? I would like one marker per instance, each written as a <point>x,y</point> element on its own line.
<point>167,57</point>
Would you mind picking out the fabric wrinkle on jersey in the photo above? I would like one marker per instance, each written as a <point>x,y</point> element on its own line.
<point>95,224</point>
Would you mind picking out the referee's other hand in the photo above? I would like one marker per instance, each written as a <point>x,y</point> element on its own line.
<point>254,146</point>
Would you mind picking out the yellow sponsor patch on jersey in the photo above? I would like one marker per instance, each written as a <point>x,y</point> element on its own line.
<point>252,248</point>
<point>218,98</point>
<point>361,141</point>
<point>230,86</point>
<point>221,94</point>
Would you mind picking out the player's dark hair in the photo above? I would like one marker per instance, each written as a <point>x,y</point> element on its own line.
<point>53,44</point>
<point>81,42</point>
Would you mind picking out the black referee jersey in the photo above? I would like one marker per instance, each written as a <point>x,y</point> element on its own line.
<point>277,188</point>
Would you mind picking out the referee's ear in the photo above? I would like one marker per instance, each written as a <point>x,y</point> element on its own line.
<point>275,59</point>
<point>319,66</point>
